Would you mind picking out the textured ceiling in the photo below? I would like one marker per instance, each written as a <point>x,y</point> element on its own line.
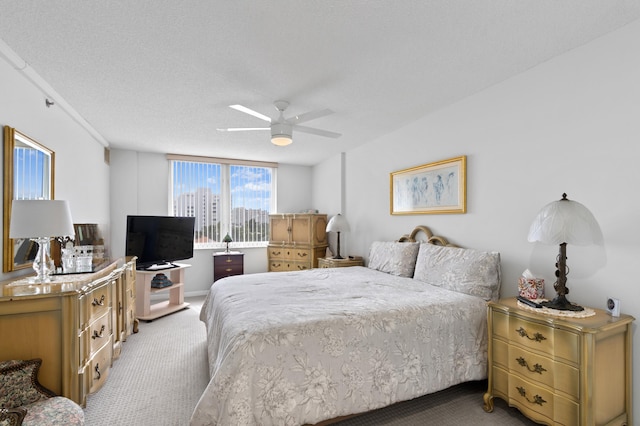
<point>159,75</point>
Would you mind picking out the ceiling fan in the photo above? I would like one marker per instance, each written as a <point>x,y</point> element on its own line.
<point>282,128</point>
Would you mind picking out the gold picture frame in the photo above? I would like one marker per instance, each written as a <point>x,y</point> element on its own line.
<point>433,188</point>
<point>27,164</point>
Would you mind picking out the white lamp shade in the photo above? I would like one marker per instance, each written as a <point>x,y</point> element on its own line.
<point>338,224</point>
<point>565,221</point>
<point>40,218</point>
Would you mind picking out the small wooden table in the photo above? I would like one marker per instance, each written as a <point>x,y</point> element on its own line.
<point>328,262</point>
<point>226,264</point>
<point>559,370</point>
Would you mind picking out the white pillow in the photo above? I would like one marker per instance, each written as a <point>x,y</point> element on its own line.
<point>468,271</point>
<point>393,258</point>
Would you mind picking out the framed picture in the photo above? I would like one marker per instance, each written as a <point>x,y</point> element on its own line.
<point>439,187</point>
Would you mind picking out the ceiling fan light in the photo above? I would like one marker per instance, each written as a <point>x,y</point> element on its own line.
<point>281,140</point>
<point>281,134</point>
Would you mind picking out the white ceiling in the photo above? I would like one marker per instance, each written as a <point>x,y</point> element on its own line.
<point>159,75</point>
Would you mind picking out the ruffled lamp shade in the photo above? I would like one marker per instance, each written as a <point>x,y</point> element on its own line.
<point>564,222</point>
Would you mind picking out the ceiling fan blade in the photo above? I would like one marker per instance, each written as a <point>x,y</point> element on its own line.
<point>318,132</point>
<point>243,129</point>
<point>250,112</point>
<point>308,116</point>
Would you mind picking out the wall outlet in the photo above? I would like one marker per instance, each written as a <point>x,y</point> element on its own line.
<point>613,307</point>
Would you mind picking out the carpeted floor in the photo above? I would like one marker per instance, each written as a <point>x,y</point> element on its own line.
<point>162,372</point>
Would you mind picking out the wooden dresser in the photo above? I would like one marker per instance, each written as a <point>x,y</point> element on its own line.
<point>76,324</point>
<point>226,264</point>
<point>296,241</point>
<point>328,262</point>
<point>560,371</point>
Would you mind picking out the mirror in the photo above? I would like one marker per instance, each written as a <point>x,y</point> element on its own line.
<point>28,175</point>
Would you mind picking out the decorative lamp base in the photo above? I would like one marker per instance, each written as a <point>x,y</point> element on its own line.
<point>561,303</point>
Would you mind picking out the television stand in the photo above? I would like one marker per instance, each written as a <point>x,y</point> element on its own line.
<point>159,267</point>
<point>144,309</point>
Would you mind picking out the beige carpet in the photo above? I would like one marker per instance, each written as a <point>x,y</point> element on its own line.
<point>162,372</point>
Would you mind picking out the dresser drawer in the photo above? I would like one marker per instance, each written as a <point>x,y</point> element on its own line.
<point>98,367</point>
<point>99,332</point>
<point>536,336</point>
<point>94,304</point>
<point>300,255</point>
<point>299,266</point>
<point>276,252</point>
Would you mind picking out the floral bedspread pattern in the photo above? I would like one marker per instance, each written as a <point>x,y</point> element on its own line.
<point>291,348</point>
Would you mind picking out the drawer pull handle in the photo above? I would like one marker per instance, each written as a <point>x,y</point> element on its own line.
<point>97,335</point>
<point>537,337</point>
<point>276,265</point>
<point>275,253</point>
<point>537,368</point>
<point>302,254</point>
<point>97,368</point>
<point>97,302</point>
<point>537,399</point>
<point>229,269</point>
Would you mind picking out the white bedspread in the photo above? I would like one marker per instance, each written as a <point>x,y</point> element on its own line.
<point>290,348</point>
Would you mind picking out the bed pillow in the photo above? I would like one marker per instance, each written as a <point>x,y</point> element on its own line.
<point>468,271</point>
<point>393,258</point>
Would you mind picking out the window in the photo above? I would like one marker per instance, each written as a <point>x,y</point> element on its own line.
<point>225,196</point>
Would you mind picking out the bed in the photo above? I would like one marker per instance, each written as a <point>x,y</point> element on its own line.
<point>294,348</point>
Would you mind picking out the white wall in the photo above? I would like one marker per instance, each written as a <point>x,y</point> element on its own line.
<point>569,125</point>
<point>81,175</point>
<point>140,185</point>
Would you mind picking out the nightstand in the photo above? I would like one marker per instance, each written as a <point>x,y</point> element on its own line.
<point>559,370</point>
<point>226,264</point>
<point>327,262</point>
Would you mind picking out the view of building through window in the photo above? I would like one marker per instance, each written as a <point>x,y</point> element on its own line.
<point>224,198</point>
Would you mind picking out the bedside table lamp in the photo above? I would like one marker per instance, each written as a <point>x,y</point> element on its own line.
<point>338,224</point>
<point>227,239</point>
<point>564,222</point>
<point>41,220</point>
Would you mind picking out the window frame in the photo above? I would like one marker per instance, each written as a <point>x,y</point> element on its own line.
<point>225,195</point>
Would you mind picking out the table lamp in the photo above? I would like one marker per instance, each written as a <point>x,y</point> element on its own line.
<point>338,224</point>
<point>564,222</point>
<point>227,239</point>
<point>41,220</point>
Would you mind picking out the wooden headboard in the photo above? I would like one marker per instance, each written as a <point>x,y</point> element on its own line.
<point>431,239</point>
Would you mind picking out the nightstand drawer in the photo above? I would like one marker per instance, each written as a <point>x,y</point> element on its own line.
<point>543,370</point>
<point>536,336</point>
<point>529,397</point>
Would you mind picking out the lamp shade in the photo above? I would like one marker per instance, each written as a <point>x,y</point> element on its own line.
<point>565,221</point>
<point>338,224</point>
<point>40,218</point>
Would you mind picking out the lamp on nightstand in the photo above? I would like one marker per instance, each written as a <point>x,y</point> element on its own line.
<point>564,222</point>
<point>39,221</point>
<point>227,239</point>
<point>338,224</point>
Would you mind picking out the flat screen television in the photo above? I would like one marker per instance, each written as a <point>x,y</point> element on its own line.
<point>158,241</point>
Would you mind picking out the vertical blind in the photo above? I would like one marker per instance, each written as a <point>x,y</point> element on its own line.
<point>31,174</point>
<point>224,198</point>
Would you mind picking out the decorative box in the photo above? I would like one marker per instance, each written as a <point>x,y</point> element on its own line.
<point>531,288</point>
